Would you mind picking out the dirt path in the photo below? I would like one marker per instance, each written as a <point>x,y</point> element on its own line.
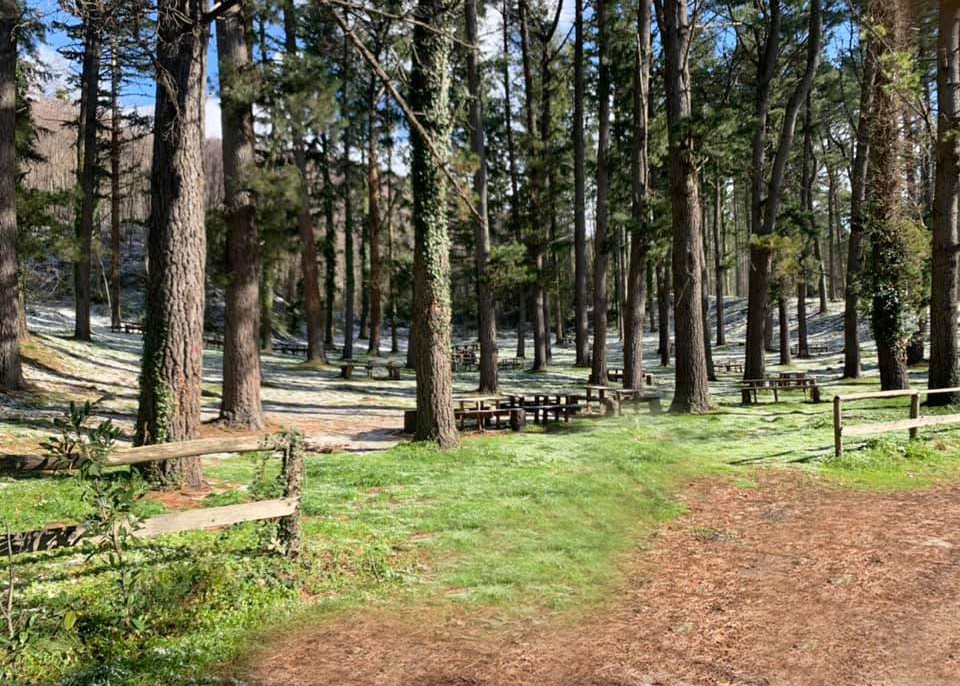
<point>789,583</point>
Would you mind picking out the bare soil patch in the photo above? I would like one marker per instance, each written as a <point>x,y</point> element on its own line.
<point>793,582</point>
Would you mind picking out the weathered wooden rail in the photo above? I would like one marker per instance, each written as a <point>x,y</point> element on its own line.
<point>285,509</point>
<point>913,424</point>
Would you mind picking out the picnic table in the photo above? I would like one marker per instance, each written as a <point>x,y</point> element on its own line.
<point>392,368</point>
<point>510,363</point>
<point>750,388</point>
<point>619,396</point>
<point>488,411</point>
<point>542,404</point>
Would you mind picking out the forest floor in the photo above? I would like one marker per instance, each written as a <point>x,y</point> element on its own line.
<point>787,581</point>
<point>726,549</point>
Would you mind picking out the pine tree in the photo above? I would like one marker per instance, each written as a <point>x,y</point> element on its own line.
<point>11,376</point>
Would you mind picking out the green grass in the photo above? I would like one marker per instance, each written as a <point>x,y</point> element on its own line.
<point>516,525</point>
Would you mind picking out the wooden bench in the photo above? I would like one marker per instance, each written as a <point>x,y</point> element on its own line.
<point>346,369</point>
<point>286,348</point>
<point>637,397</point>
<point>812,349</point>
<point>515,416</point>
<point>510,363</point>
<point>729,366</point>
<point>750,388</point>
<point>615,374</point>
<point>127,327</point>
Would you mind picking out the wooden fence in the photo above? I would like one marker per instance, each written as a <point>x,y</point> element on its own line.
<point>913,424</point>
<point>285,509</point>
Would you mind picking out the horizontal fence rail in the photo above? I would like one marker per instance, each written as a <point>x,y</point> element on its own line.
<point>285,509</point>
<point>913,424</point>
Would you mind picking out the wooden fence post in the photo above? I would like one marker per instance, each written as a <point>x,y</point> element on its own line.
<point>291,528</point>
<point>837,426</point>
<point>914,412</point>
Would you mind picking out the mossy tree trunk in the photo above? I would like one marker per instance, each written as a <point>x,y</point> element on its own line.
<point>884,211</point>
<point>11,377</point>
<point>240,405</point>
<point>172,373</point>
<point>430,87</point>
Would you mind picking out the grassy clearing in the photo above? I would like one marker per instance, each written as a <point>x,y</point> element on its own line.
<point>513,524</point>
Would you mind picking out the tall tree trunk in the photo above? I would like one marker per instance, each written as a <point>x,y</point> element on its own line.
<point>765,210</point>
<point>719,258</point>
<point>329,242</point>
<point>663,310</point>
<point>240,405</point>
<point>312,304</point>
<point>758,273</point>
<point>692,392</point>
<point>944,364</point>
<point>87,166</point>
<point>486,308</point>
<point>349,265</point>
<point>266,307</point>
<point>364,333</point>
<point>803,344</point>
<point>515,223</point>
<point>172,372</point>
<point>831,238</point>
<point>855,248</point>
<point>582,331</point>
<point>374,222</point>
<point>883,200</point>
<point>705,307</point>
<point>430,86</point>
<point>11,377</point>
<point>115,125</point>
<point>601,241</point>
<point>536,182</point>
<point>784,320</point>
<point>633,376</point>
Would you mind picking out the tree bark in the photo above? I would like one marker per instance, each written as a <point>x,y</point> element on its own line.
<point>240,405</point>
<point>374,226</point>
<point>536,183</point>
<point>172,373</point>
<point>765,210</point>
<point>758,273</point>
<point>430,86</point>
<point>11,377</point>
<point>312,304</point>
<point>349,266</point>
<point>855,249</point>
<point>115,124</point>
<point>784,320</point>
<point>692,393</point>
<point>944,363</point>
<point>633,376</point>
<point>87,166</point>
<point>486,308</point>
<point>582,332</point>
<point>719,258</point>
<point>663,311</point>
<point>329,243</point>
<point>515,224</point>
<point>884,187</point>
<point>601,242</point>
